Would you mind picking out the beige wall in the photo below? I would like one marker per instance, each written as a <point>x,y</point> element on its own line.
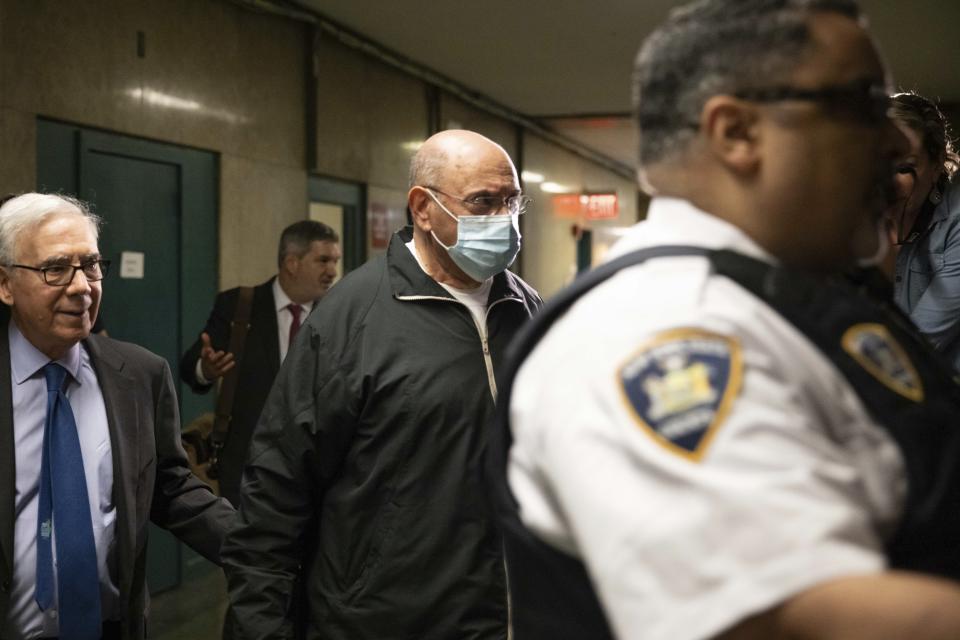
<point>370,118</point>
<point>456,114</point>
<point>219,77</point>
<point>214,77</point>
<point>549,246</point>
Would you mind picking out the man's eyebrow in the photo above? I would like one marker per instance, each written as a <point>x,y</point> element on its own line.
<point>487,193</point>
<point>60,260</point>
<point>55,260</point>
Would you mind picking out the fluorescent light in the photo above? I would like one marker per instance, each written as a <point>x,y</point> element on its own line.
<point>531,176</point>
<point>553,187</point>
<point>412,146</point>
<point>160,99</point>
<point>168,101</point>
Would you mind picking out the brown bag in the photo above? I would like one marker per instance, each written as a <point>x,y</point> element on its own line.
<point>196,441</point>
<point>204,437</point>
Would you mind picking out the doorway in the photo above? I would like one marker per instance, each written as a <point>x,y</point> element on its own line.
<point>343,206</point>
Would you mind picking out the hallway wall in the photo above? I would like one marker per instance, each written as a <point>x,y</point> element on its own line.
<point>277,100</point>
<point>211,76</point>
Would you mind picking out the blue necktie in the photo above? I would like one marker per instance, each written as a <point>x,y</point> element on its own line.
<point>64,505</point>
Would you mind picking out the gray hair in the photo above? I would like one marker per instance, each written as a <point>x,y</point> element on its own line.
<point>24,212</point>
<point>426,167</point>
<point>713,47</point>
<point>297,238</point>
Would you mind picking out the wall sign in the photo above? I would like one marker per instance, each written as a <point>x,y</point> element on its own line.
<point>589,206</point>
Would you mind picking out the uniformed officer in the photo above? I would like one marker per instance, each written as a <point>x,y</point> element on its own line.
<point>715,435</point>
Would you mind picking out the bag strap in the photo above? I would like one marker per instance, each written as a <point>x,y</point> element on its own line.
<point>239,327</point>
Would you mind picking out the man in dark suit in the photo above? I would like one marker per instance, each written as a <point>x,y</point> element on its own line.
<point>89,441</point>
<point>307,266</point>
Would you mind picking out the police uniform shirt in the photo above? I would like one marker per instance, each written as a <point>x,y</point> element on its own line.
<point>696,500</point>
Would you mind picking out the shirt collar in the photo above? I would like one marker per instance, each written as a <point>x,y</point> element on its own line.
<point>675,221</point>
<point>282,300</point>
<point>26,360</point>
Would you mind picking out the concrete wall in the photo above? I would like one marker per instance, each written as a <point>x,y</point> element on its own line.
<point>213,76</point>
<point>276,99</point>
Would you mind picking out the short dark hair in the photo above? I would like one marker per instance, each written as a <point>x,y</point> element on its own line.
<point>297,238</point>
<point>923,116</point>
<point>712,47</point>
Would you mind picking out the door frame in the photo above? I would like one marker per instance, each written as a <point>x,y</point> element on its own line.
<point>352,196</point>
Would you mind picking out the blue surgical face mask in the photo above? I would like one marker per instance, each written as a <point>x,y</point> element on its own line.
<point>486,245</point>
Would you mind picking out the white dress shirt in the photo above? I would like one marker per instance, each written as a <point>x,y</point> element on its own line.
<point>285,317</point>
<point>284,321</point>
<point>25,620</point>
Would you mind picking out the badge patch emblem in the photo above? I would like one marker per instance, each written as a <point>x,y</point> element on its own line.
<point>877,351</point>
<point>680,387</point>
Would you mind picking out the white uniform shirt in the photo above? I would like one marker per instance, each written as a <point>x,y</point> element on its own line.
<point>795,486</point>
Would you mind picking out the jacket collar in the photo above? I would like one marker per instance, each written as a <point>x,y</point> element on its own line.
<point>408,280</point>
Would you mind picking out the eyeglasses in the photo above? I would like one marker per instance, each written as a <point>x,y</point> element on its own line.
<point>864,99</point>
<point>491,205</point>
<point>60,275</point>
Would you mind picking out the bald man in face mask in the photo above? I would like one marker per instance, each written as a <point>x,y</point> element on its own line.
<point>364,476</point>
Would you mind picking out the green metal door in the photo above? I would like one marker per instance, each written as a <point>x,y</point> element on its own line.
<point>158,203</point>
<point>139,200</point>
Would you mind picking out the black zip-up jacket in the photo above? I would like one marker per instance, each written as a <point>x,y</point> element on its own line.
<point>365,473</point>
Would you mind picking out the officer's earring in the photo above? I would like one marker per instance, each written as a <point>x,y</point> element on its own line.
<point>936,197</point>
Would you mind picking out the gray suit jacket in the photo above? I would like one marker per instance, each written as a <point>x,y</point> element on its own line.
<point>151,478</point>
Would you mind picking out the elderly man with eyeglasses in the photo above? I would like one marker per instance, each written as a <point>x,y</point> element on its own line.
<point>89,441</point>
<point>363,481</point>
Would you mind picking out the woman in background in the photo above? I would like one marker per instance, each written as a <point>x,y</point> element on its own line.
<point>924,225</point>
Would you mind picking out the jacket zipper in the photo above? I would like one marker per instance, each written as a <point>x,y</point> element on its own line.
<point>481,330</point>
<point>488,361</point>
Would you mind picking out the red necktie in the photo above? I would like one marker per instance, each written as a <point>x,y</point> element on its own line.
<point>295,311</point>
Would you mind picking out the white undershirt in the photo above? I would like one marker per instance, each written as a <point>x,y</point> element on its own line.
<point>474,299</point>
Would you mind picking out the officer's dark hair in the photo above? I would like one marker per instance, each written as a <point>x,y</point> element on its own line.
<point>924,117</point>
<point>297,238</point>
<point>712,47</point>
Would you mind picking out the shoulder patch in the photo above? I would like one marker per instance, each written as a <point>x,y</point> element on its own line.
<point>680,387</point>
<point>875,349</point>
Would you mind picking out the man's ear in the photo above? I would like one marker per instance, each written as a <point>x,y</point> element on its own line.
<point>418,201</point>
<point>290,263</point>
<point>6,291</point>
<point>732,132</point>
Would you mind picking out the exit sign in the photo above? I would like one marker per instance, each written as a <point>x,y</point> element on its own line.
<point>589,206</point>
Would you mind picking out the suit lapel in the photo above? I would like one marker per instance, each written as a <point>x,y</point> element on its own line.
<point>120,402</point>
<point>264,314</point>
<point>8,472</point>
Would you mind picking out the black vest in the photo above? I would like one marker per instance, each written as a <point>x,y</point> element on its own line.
<point>550,591</point>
